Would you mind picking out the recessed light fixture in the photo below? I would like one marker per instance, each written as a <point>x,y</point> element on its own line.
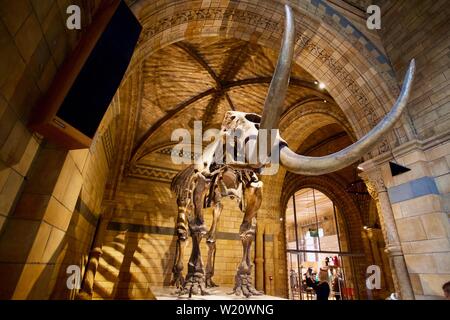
<point>321,85</point>
<point>316,82</point>
<point>324,101</point>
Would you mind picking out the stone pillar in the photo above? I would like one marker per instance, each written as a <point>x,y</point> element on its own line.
<point>259,259</point>
<point>276,279</point>
<point>87,287</point>
<point>400,275</point>
<point>384,261</point>
<point>373,237</point>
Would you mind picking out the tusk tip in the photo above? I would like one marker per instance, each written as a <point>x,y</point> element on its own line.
<point>412,65</point>
<point>288,9</point>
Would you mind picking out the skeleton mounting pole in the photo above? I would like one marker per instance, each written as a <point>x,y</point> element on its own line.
<point>321,165</point>
<point>273,105</point>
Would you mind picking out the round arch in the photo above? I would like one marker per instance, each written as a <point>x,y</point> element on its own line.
<point>358,83</point>
<point>330,186</point>
<point>334,190</point>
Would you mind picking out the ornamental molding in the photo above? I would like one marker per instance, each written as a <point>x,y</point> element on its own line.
<point>168,151</point>
<point>152,173</point>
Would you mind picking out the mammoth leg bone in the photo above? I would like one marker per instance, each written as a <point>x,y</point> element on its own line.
<point>195,279</point>
<point>182,234</point>
<point>243,281</point>
<point>211,242</point>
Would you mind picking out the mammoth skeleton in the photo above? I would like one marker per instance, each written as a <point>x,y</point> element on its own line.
<point>206,183</point>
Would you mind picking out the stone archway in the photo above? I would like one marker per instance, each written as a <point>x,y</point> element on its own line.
<point>360,84</point>
<point>335,191</point>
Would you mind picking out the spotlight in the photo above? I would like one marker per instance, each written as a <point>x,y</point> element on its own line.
<point>321,86</point>
<point>365,227</point>
<point>316,83</point>
<point>324,101</point>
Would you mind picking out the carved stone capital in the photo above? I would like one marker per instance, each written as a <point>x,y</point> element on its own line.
<point>374,182</point>
<point>394,250</point>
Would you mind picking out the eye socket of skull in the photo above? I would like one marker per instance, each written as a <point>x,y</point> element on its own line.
<point>253,118</point>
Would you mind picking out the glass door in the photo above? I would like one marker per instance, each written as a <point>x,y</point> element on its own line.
<point>317,248</point>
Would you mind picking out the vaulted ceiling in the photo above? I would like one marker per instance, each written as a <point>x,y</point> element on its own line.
<point>359,4</point>
<point>200,80</point>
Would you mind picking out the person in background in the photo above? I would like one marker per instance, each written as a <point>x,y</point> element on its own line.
<point>393,296</point>
<point>337,284</point>
<point>446,289</point>
<point>323,288</point>
<point>310,278</point>
<point>294,280</point>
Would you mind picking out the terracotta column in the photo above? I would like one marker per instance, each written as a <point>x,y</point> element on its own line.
<point>275,281</point>
<point>259,260</point>
<point>87,286</point>
<point>384,263</point>
<point>400,275</point>
<point>373,237</point>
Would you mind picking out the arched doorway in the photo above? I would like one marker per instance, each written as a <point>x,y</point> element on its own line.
<point>317,241</point>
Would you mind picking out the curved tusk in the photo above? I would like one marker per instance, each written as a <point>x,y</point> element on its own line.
<point>321,165</point>
<point>273,105</point>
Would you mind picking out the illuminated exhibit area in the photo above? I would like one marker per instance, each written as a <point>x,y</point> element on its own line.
<point>316,240</point>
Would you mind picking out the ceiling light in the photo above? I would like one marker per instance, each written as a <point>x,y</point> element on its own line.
<point>321,86</point>
<point>324,101</point>
<point>316,82</point>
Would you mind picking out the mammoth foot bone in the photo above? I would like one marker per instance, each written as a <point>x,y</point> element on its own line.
<point>177,280</point>
<point>244,286</point>
<point>194,285</point>
<point>210,283</point>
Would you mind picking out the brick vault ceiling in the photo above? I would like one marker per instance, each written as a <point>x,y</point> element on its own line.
<point>204,78</point>
<point>360,4</point>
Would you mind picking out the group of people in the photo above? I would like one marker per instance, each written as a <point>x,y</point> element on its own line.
<point>321,286</point>
<point>320,283</point>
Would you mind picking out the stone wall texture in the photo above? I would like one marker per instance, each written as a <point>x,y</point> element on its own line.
<point>420,29</point>
<point>49,197</point>
<point>420,198</point>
